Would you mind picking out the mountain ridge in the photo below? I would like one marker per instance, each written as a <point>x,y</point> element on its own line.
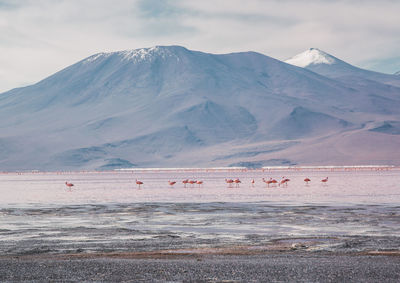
<point>170,106</point>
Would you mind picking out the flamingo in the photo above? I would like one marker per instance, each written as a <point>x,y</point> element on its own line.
<point>307,180</point>
<point>171,183</point>
<point>267,182</point>
<point>229,182</point>
<point>284,181</point>
<point>185,182</point>
<point>139,183</point>
<point>324,180</point>
<point>192,182</point>
<point>237,182</point>
<point>69,185</point>
<point>252,183</point>
<point>199,183</point>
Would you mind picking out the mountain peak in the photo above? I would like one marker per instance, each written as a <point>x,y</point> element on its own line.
<point>312,56</point>
<point>141,54</point>
<point>329,66</point>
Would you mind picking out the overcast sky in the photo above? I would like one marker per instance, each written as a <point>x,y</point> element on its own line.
<point>40,37</point>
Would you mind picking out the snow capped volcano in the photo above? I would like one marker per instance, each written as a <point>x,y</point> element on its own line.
<point>327,65</point>
<point>170,106</point>
<point>312,56</point>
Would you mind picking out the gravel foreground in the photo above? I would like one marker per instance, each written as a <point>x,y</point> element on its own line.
<point>280,267</point>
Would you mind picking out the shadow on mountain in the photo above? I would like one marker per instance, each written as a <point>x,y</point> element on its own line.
<point>214,122</point>
<point>388,127</point>
<point>112,155</point>
<point>302,122</point>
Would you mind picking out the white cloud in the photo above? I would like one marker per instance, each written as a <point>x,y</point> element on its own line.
<point>40,37</point>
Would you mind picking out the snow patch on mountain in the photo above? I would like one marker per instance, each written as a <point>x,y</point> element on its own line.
<point>139,55</point>
<point>96,57</point>
<point>311,56</point>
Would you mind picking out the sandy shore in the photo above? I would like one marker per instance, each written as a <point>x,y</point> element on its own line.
<point>225,265</point>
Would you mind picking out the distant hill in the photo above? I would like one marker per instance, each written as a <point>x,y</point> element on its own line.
<point>170,106</point>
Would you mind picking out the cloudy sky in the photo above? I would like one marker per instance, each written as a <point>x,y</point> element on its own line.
<point>40,37</point>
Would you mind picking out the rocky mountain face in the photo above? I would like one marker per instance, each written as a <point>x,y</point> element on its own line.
<point>170,106</point>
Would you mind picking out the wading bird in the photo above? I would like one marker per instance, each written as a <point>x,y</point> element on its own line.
<point>267,182</point>
<point>284,181</point>
<point>69,185</point>
<point>139,183</point>
<point>229,182</point>
<point>307,180</point>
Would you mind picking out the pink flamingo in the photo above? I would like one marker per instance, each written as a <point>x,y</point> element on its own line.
<point>199,183</point>
<point>237,182</point>
<point>324,180</point>
<point>185,182</point>
<point>69,185</point>
<point>171,183</point>
<point>229,182</point>
<point>252,182</point>
<point>139,183</point>
<point>284,181</point>
<point>270,181</point>
<point>307,180</point>
<point>273,181</point>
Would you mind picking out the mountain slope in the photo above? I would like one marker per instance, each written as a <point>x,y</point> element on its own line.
<point>170,106</point>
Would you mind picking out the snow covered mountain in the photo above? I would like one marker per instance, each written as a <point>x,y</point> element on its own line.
<point>327,65</point>
<point>170,106</point>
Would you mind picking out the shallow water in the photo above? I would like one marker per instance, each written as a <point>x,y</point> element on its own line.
<point>108,212</point>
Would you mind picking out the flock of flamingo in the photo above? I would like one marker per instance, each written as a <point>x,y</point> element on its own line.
<point>271,182</point>
<point>285,181</point>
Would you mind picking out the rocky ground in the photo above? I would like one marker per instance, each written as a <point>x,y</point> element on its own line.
<point>283,266</point>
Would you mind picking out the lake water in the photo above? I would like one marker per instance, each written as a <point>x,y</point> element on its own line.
<point>106,211</point>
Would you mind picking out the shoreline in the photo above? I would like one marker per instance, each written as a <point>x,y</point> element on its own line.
<point>319,168</point>
<point>295,250</point>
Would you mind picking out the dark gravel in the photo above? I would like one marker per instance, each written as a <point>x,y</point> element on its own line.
<point>281,267</point>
